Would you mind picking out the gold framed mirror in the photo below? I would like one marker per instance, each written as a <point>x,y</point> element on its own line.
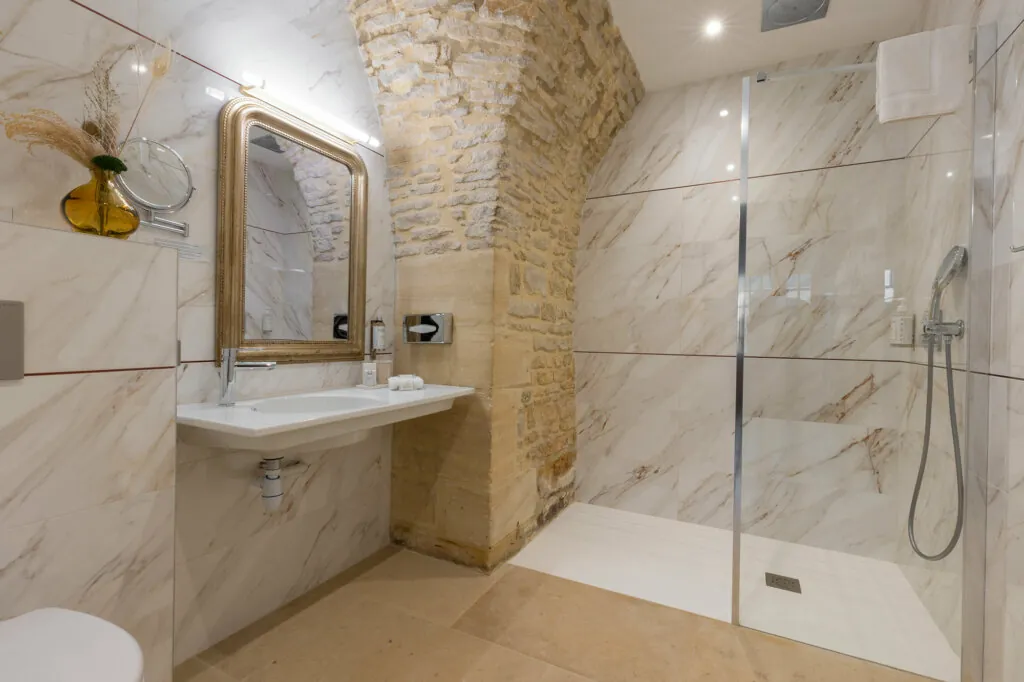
<point>291,243</point>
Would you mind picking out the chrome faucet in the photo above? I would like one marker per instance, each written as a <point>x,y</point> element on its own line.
<point>228,364</point>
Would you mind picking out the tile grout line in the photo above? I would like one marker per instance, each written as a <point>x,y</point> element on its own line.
<point>98,371</point>
<point>756,177</point>
<point>913,363</point>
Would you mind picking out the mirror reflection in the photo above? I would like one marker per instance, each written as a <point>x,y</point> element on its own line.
<point>297,224</point>
<point>157,177</point>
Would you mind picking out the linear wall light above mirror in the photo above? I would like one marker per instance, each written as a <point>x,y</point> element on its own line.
<point>321,119</point>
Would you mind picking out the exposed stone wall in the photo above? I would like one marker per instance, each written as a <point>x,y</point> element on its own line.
<point>578,88</point>
<point>495,112</point>
<point>326,187</point>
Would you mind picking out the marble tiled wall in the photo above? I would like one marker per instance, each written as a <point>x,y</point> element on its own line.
<point>279,253</point>
<point>87,437</point>
<point>233,565</point>
<point>847,218</point>
<point>48,46</point>
<point>1003,486</point>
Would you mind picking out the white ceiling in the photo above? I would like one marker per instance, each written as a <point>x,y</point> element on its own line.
<point>668,43</point>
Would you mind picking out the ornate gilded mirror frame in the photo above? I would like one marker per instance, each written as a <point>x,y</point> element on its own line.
<point>236,119</point>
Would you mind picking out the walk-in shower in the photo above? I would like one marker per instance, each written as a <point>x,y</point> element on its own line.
<point>937,331</point>
<point>789,267</point>
<point>839,237</point>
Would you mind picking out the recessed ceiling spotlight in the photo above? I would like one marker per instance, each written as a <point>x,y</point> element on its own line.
<point>713,28</point>
<point>723,113</point>
<point>731,167</point>
<point>949,174</point>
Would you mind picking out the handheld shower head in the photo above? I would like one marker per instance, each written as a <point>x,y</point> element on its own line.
<point>952,265</point>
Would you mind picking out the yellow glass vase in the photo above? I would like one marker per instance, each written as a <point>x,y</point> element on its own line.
<point>98,207</point>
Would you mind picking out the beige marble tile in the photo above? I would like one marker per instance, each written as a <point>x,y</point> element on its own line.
<point>527,626</point>
<point>1008,275</point>
<point>694,214</point>
<point>380,251</point>
<point>625,286</point>
<point>45,57</point>
<point>114,561</point>
<point>380,643</point>
<point>115,441</point>
<point>676,138</point>
<point>199,382</point>
<point>46,46</point>
<point>827,261</point>
<point>654,434</point>
<point>821,485</point>
<point>939,217</point>
<point>195,670</point>
<point>657,272</point>
<point>222,486</point>
<point>863,200</point>
<point>236,562</point>
<point>181,110</point>
<point>119,312</point>
<point>824,120</point>
<point>1006,14</point>
<point>870,394</point>
<point>428,588</point>
<point>302,50</point>
<point>679,137</point>
<point>610,637</point>
<point>124,12</point>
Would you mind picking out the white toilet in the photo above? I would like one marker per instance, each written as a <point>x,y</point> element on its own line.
<point>57,645</point>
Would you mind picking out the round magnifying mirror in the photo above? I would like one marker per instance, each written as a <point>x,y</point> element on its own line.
<point>157,177</point>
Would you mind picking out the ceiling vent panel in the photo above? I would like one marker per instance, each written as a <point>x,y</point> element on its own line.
<point>783,13</point>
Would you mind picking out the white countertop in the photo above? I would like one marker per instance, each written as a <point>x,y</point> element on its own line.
<point>247,420</point>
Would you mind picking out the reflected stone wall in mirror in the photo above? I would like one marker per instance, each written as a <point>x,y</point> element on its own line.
<point>298,207</point>
<point>291,250</point>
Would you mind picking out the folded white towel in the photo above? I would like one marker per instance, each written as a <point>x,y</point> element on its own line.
<point>924,74</point>
<point>405,382</point>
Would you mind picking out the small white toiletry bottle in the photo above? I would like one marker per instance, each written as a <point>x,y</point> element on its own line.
<point>369,374</point>
<point>901,326</point>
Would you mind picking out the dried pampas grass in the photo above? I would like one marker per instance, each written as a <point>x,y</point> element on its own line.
<point>42,127</point>
<point>102,103</point>
<point>162,61</point>
<point>99,134</point>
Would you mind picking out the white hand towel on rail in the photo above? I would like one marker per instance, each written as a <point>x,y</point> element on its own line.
<point>924,74</point>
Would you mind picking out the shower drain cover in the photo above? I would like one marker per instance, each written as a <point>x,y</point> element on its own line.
<point>782,582</point>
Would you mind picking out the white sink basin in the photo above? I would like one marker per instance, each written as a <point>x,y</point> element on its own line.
<point>298,404</point>
<point>325,419</point>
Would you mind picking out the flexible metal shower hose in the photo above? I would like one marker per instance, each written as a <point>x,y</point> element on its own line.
<point>924,455</point>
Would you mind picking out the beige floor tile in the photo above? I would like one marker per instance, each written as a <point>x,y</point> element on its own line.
<point>605,636</point>
<point>355,639</point>
<point>880,673</point>
<point>283,630</point>
<point>432,589</point>
<point>780,660</point>
<point>397,619</point>
<point>194,670</point>
<point>559,675</point>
